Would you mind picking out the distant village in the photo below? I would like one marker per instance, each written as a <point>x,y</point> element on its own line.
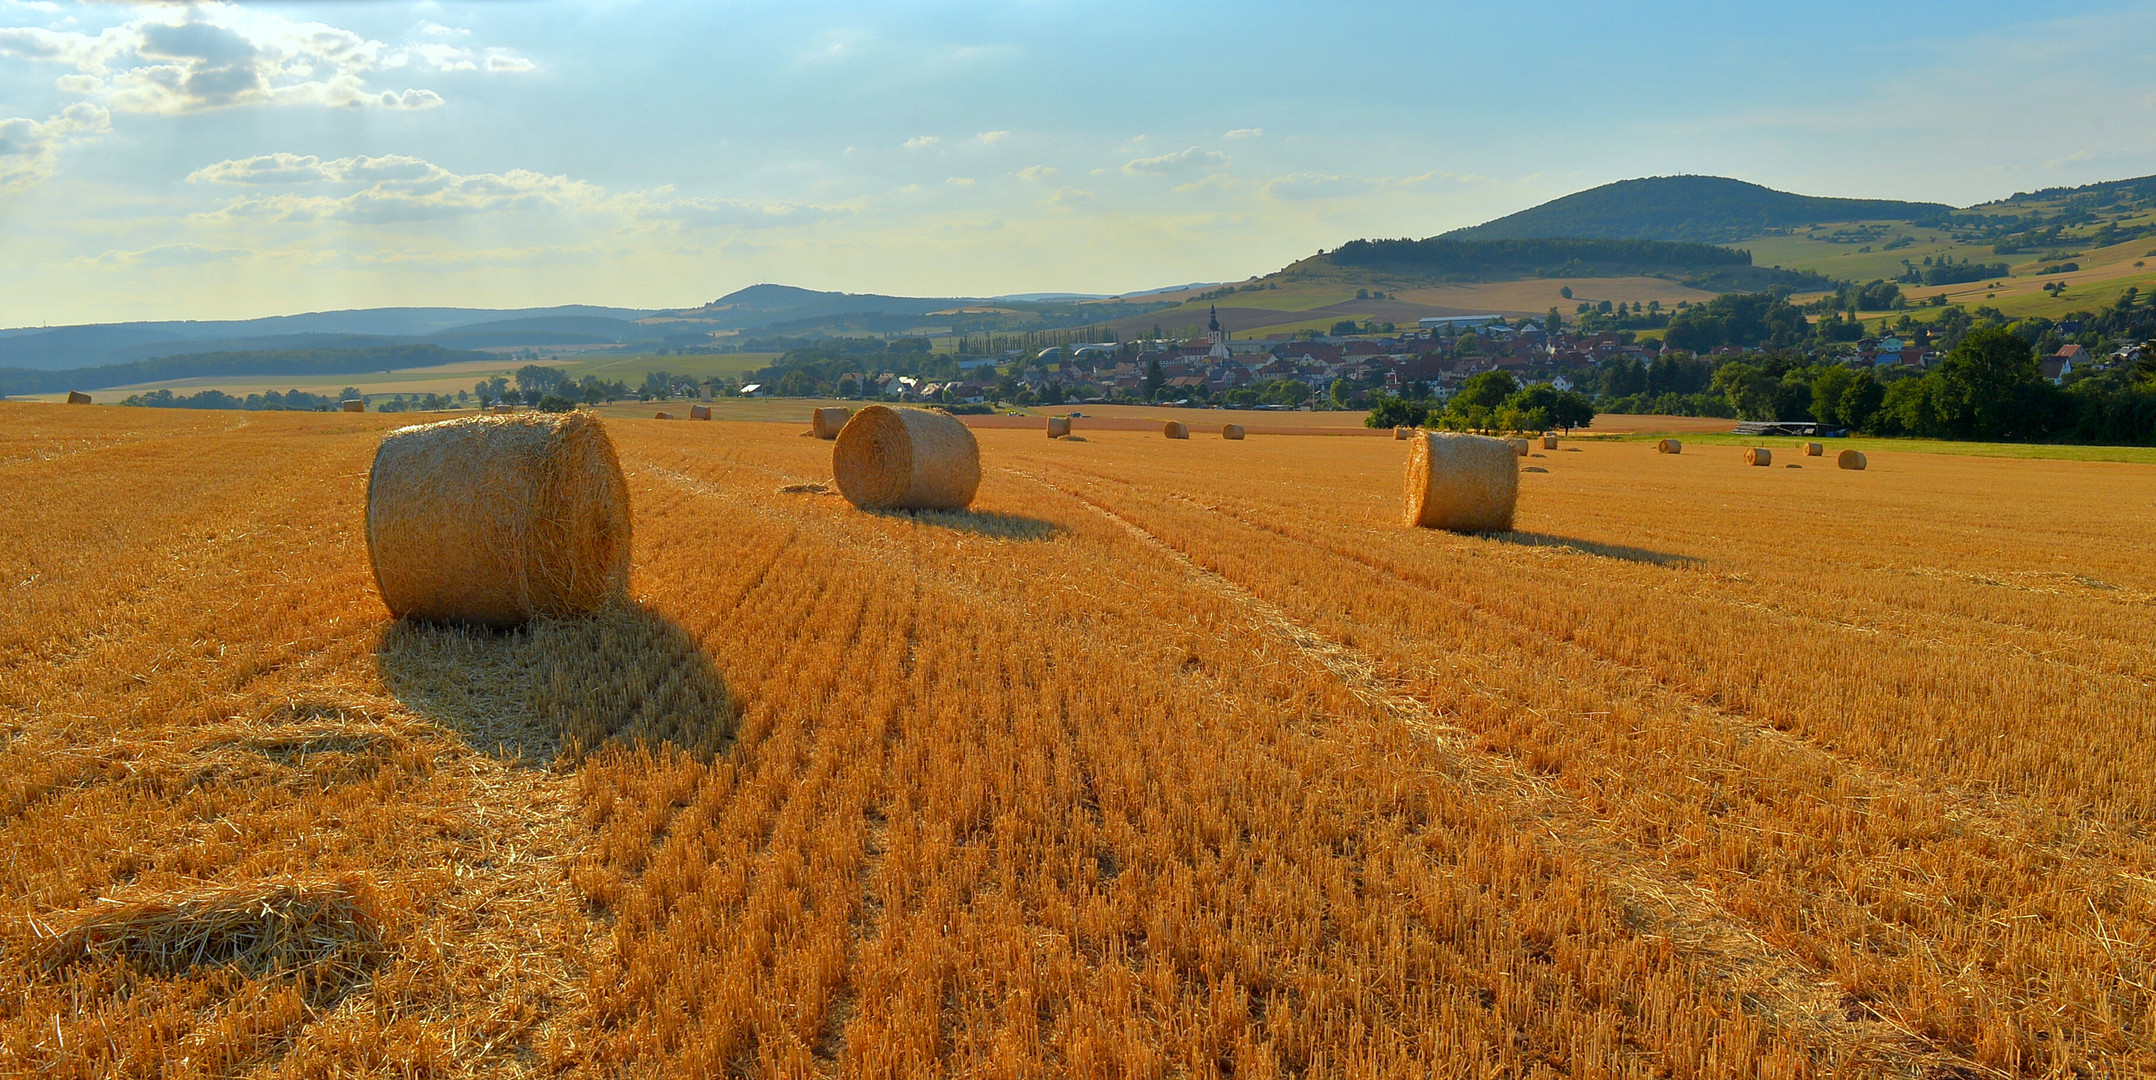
<point>1433,359</point>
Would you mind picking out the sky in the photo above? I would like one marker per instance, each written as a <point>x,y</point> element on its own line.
<point>219,160</point>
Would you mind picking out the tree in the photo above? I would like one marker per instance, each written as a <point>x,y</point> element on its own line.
<point>1339,392</point>
<point>1393,412</point>
<point>1989,388</point>
<point>1827,391</point>
<point>1553,322</point>
<point>1565,292</point>
<point>1154,380</point>
<point>796,383</point>
<point>1859,404</point>
<point>1344,327</point>
<point>1572,409</point>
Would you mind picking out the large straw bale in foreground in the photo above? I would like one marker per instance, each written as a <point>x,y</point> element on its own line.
<point>1231,431</point>
<point>1174,429</point>
<point>1549,442</point>
<point>906,459</point>
<point>699,412</point>
<point>1465,483</point>
<point>827,422</point>
<point>1669,446</point>
<point>1058,426</point>
<point>77,397</point>
<point>1852,460</point>
<point>1812,449</point>
<point>1758,455</point>
<point>492,520</point>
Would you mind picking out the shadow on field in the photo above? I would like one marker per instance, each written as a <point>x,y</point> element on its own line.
<point>556,686</point>
<point>1589,547</point>
<point>981,522</point>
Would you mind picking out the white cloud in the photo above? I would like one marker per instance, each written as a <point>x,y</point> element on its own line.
<point>29,148</point>
<point>1036,172</point>
<point>1301,186</point>
<point>920,141</point>
<point>992,137</point>
<point>1244,133</point>
<point>1194,159</point>
<point>960,181</point>
<point>168,255</point>
<point>174,59</point>
<point>399,189</point>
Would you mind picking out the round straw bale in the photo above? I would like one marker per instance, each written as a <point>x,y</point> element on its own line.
<point>1812,449</point>
<point>77,397</point>
<point>353,405</point>
<point>1519,447</point>
<point>1549,442</point>
<point>1669,446</point>
<point>1400,434</point>
<point>1852,460</point>
<point>1058,426</point>
<point>1464,483</point>
<point>1231,431</point>
<point>827,422</point>
<point>1758,455</point>
<point>906,459</point>
<point>664,416</point>
<point>493,520</point>
<point>1174,429</point>
<point>699,412</point>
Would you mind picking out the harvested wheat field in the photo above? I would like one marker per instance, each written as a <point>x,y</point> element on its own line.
<point>1165,759</point>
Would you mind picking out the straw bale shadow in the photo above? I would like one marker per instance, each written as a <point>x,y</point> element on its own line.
<point>982,522</point>
<point>1607,551</point>
<point>558,688</point>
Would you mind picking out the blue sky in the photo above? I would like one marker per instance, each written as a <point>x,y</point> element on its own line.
<point>236,160</point>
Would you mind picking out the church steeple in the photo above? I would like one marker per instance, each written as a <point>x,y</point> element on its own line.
<point>1213,333</point>
<point>1213,322</point>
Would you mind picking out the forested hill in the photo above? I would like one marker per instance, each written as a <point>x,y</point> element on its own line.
<point>262,362</point>
<point>1703,209</point>
<point>1447,258</point>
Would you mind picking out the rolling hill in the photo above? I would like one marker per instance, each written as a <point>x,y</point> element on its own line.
<point>1699,209</point>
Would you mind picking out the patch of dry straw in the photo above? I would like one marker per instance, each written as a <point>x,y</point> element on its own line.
<point>906,459</point>
<point>1463,483</point>
<point>328,928</point>
<point>493,520</point>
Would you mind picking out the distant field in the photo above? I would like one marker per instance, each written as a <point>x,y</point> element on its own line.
<point>1317,305</point>
<point>449,378</point>
<point>1166,759</point>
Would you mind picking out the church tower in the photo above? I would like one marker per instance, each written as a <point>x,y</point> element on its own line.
<point>1215,334</point>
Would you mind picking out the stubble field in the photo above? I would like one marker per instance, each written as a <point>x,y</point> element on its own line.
<point>1171,758</point>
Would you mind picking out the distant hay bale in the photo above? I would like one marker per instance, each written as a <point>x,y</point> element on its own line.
<point>906,459</point>
<point>1549,442</point>
<point>1812,449</point>
<point>1058,426</point>
<point>1400,434</point>
<point>1519,447</point>
<point>1669,446</point>
<point>77,397</point>
<point>827,422</point>
<point>353,405</point>
<point>1758,455</point>
<point>1231,431</point>
<point>1853,460</point>
<point>663,416</point>
<point>1174,429</point>
<point>699,412</point>
<point>1463,483</point>
<point>491,521</point>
